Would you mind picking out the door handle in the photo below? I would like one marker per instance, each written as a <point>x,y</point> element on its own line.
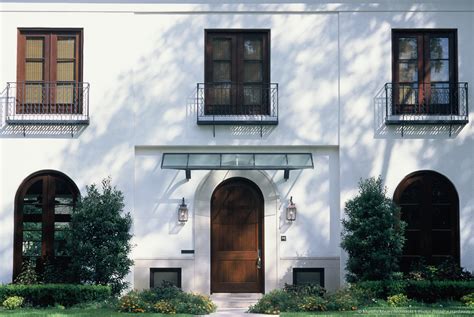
<point>259,259</point>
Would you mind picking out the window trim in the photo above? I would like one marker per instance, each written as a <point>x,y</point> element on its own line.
<point>422,59</point>
<point>177,270</point>
<point>50,66</point>
<point>237,64</point>
<point>297,270</point>
<point>46,250</point>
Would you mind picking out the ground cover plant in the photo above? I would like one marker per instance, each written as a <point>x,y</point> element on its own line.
<point>167,299</point>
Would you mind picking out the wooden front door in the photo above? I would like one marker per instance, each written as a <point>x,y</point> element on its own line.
<point>237,238</point>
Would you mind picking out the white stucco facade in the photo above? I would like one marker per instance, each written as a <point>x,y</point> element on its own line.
<point>143,61</point>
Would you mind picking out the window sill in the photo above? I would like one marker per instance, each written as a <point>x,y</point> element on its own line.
<point>425,119</point>
<point>237,120</point>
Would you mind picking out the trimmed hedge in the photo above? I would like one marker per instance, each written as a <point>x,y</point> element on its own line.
<point>423,291</point>
<point>51,294</point>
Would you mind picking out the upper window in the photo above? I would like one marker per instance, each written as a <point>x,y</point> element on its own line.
<point>49,71</point>
<point>43,208</point>
<point>237,72</point>
<point>424,72</point>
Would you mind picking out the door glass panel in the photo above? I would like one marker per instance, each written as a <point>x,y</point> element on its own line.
<point>60,235</point>
<point>221,71</point>
<point>408,71</point>
<point>34,48</point>
<point>34,71</point>
<point>33,199</point>
<point>439,70</point>
<point>441,217</point>
<point>65,71</point>
<point>412,216</point>
<point>441,242</point>
<point>252,72</point>
<point>408,94</point>
<point>66,48</point>
<point>32,236</point>
<point>439,48</point>
<point>33,93</point>
<point>253,95</point>
<point>221,49</point>
<point>412,243</point>
<point>220,94</point>
<point>440,93</point>
<point>64,94</point>
<point>253,49</point>
<point>407,48</point>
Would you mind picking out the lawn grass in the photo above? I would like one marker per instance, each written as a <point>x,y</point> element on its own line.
<point>76,312</point>
<point>395,311</point>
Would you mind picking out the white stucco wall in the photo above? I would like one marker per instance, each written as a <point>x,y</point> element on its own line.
<point>143,61</point>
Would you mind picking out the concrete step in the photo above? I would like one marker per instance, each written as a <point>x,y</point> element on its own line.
<point>235,300</point>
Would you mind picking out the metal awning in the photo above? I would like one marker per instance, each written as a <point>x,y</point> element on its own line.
<point>237,161</point>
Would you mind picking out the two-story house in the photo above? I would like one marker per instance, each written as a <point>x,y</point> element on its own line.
<point>236,130</point>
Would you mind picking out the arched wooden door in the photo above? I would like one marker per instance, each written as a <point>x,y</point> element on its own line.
<point>237,263</point>
<point>430,206</point>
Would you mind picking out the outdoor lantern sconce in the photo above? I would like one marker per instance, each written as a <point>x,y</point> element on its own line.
<point>291,211</point>
<point>183,212</point>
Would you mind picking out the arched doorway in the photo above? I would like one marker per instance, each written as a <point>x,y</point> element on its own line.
<point>43,206</point>
<point>237,262</point>
<point>429,204</point>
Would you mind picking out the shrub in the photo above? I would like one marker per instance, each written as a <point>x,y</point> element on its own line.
<point>372,235</point>
<point>312,303</point>
<point>165,291</point>
<point>13,302</point>
<point>164,307</point>
<point>342,300</point>
<point>305,289</point>
<point>398,300</point>
<point>100,238</point>
<point>275,302</point>
<point>447,270</point>
<point>28,274</point>
<point>195,304</point>
<point>468,300</point>
<point>132,303</point>
<point>51,294</point>
<point>424,291</point>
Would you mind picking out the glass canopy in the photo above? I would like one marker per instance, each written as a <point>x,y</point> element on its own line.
<point>237,161</point>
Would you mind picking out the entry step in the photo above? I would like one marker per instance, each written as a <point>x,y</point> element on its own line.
<point>226,301</point>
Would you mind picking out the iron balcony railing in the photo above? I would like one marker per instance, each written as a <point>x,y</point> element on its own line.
<point>47,103</point>
<point>432,103</point>
<point>237,103</point>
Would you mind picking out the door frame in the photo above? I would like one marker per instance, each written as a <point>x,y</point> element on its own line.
<point>260,228</point>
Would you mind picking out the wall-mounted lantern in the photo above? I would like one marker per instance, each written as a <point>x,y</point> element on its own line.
<point>291,211</point>
<point>183,212</point>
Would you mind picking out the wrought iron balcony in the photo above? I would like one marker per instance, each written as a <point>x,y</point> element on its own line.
<point>433,103</point>
<point>237,103</point>
<point>64,103</point>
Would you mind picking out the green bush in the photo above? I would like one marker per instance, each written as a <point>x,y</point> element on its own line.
<point>195,304</point>
<point>28,274</point>
<point>398,300</point>
<point>468,300</point>
<point>13,302</point>
<point>342,300</point>
<point>372,235</point>
<point>305,289</point>
<point>167,299</point>
<point>312,303</point>
<point>448,270</point>
<point>275,302</point>
<point>100,238</point>
<point>51,294</point>
<point>164,307</point>
<point>423,291</point>
<point>132,303</point>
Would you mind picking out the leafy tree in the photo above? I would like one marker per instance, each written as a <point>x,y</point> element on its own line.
<point>373,234</point>
<point>100,238</point>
